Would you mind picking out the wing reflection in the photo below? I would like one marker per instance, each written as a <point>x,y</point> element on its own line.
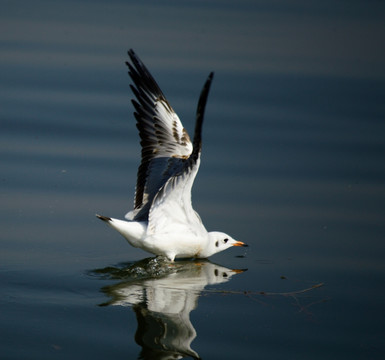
<point>163,294</point>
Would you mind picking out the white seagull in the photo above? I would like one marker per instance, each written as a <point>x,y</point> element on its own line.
<point>163,221</point>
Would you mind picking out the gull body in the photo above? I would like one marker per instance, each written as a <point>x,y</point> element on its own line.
<point>163,221</point>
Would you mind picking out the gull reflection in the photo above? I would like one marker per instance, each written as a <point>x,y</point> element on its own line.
<point>162,295</point>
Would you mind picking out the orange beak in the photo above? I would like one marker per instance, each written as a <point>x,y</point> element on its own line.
<point>240,243</point>
<point>239,271</point>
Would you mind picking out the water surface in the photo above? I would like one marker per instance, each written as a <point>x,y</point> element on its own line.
<point>292,164</point>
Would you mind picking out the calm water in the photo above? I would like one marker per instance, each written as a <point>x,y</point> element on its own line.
<point>292,164</point>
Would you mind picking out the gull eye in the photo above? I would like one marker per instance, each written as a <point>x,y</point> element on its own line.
<point>226,240</point>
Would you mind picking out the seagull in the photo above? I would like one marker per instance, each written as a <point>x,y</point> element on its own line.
<point>163,221</point>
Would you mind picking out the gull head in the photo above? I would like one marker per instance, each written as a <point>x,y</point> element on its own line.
<point>219,241</point>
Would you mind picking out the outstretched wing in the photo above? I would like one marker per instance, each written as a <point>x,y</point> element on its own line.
<point>165,143</point>
<point>171,208</point>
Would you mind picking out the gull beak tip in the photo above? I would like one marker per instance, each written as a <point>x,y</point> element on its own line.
<point>240,243</point>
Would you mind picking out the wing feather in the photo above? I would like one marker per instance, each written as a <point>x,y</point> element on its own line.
<point>172,206</point>
<point>165,143</point>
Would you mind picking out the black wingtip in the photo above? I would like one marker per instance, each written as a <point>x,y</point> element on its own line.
<point>104,218</point>
<point>131,52</point>
<point>200,114</point>
<point>142,77</point>
<point>203,97</point>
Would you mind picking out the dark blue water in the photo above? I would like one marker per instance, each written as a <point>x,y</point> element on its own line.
<point>292,164</point>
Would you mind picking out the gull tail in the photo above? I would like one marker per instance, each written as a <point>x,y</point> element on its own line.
<point>104,218</point>
<point>132,231</point>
